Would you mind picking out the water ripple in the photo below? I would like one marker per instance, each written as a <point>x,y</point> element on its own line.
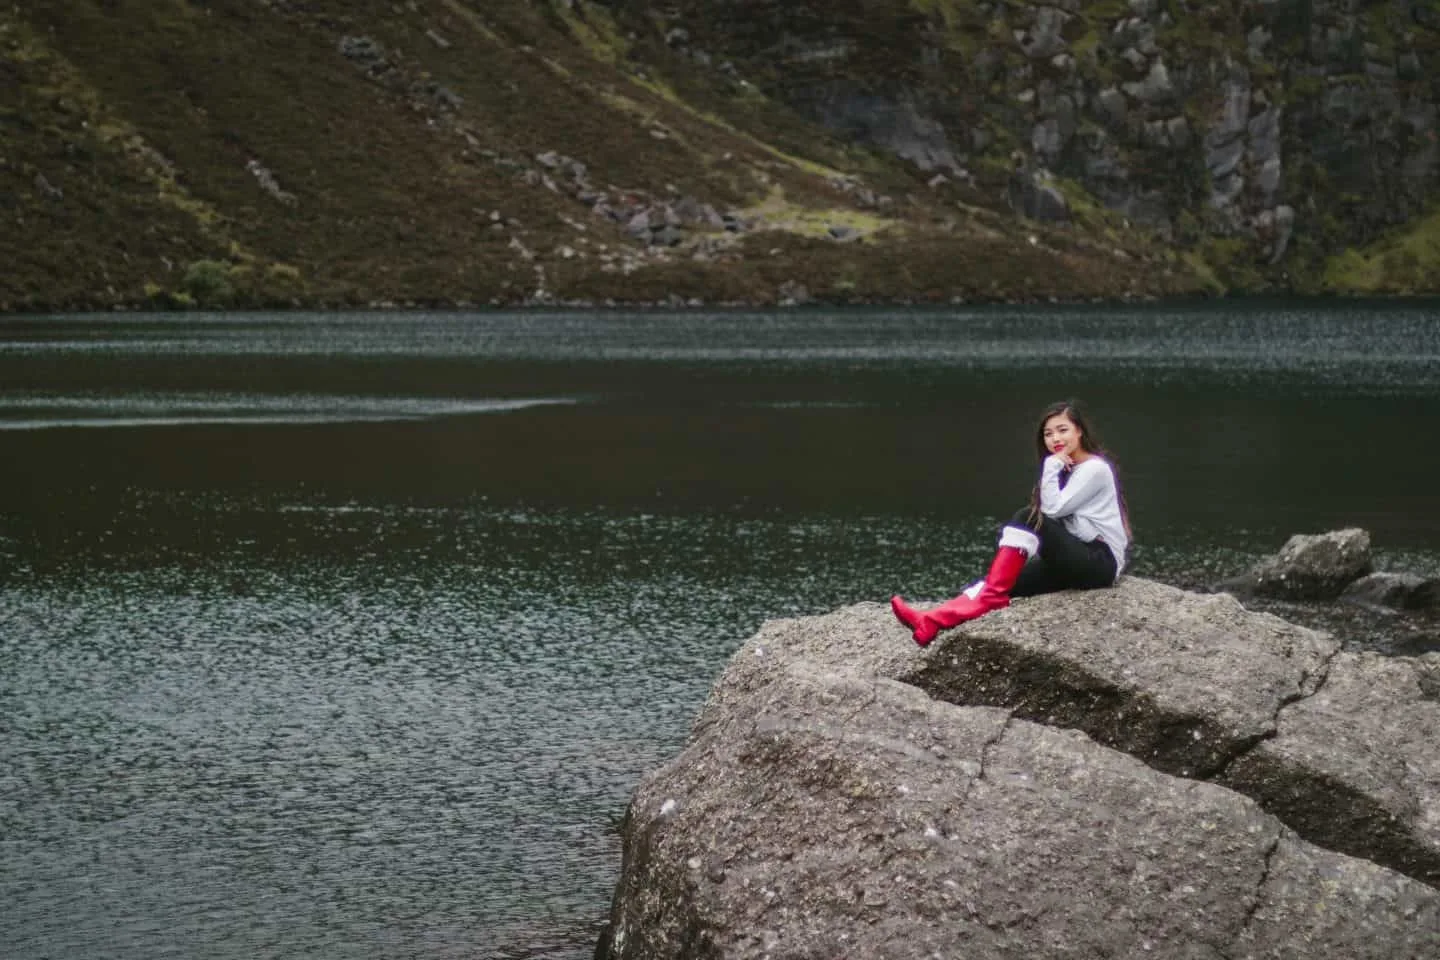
<point>43,412</point>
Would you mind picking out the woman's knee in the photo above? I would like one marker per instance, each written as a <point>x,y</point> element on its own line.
<point>1051,529</point>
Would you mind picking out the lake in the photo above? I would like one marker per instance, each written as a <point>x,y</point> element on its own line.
<point>348,635</point>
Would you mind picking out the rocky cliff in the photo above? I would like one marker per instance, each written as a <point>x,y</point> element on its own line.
<point>1280,141</point>
<point>1137,771</point>
<point>306,152</point>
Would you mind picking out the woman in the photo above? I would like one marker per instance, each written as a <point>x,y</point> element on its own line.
<point>1072,536</point>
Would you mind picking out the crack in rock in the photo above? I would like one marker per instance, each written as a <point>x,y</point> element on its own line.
<point>990,745</point>
<point>1244,748</point>
<point>1254,906</point>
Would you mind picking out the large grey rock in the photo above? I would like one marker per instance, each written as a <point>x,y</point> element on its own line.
<point>1221,160</point>
<point>1423,156</point>
<point>1273,227</point>
<point>365,50</point>
<point>1224,192</point>
<point>1264,134</point>
<point>1179,130</point>
<point>1315,567</point>
<point>900,124</point>
<point>1268,179</point>
<point>834,814</point>
<point>1047,139</point>
<point>1061,109</point>
<point>1145,207</point>
<point>1234,116</point>
<point>1145,39</point>
<point>1256,41</point>
<point>1422,643</point>
<point>1045,37</point>
<point>1190,684</point>
<point>1408,67</point>
<point>1426,596</point>
<point>1156,87</point>
<point>1035,195</point>
<point>1114,106</point>
<point>1390,590</point>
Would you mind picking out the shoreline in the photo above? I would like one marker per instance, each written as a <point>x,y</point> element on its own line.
<point>679,304</point>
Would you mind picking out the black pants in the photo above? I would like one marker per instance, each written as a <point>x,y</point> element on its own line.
<point>1065,562</point>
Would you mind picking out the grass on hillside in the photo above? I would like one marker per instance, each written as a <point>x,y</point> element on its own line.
<point>172,153</point>
<point>1406,262</point>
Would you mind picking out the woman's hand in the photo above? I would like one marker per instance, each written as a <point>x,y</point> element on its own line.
<point>1064,460</point>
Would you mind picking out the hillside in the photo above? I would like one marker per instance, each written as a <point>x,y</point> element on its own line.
<point>449,152</point>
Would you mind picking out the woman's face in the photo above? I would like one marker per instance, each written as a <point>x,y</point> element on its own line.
<point>1063,437</point>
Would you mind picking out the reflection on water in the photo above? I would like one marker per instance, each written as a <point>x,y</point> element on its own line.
<point>168,410</point>
<point>349,635</point>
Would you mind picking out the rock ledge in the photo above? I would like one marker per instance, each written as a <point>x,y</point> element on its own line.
<point>1035,785</point>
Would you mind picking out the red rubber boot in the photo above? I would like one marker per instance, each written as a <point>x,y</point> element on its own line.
<point>905,613</point>
<point>1017,545</point>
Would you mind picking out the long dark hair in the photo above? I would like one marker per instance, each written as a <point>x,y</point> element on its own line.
<point>1089,442</point>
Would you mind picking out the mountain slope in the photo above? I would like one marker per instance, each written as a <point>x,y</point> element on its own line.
<point>318,152</point>
<point>443,151</point>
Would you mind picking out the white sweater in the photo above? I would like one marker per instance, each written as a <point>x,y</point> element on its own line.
<point>1088,506</point>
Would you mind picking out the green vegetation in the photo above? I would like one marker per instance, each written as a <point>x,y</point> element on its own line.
<point>207,282</point>
<point>1209,281</point>
<point>1406,262</point>
<point>1232,263</point>
<point>779,214</point>
<point>1084,208</point>
<point>952,13</point>
<point>595,28</point>
<point>964,28</point>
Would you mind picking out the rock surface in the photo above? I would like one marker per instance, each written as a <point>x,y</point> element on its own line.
<point>1396,591</point>
<point>845,793</point>
<point>1390,590</point>
<point>828,814</point>
<point>1309,567</point>
<point>1181,680</point>
<point>1356,765</point>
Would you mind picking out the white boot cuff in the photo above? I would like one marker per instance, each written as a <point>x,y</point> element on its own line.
<point>1021,538</point>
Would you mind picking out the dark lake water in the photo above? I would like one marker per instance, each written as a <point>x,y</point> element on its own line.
<point>348,635</point>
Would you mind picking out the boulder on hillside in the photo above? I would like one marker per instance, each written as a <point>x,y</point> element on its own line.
<point>1034,195</point>
<point>1156,87</point>
<point>1308,567</point>
<point>832,813</point>
<point>1045,37</point>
